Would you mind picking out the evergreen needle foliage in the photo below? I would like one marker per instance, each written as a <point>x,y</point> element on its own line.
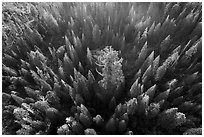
<point>101,68</point>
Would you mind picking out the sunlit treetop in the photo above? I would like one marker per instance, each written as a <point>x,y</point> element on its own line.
<point>111,67</point>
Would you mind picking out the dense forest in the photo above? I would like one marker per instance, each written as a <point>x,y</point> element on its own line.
<point>101,68</point>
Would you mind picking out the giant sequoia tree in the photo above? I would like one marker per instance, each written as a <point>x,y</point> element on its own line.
<point>102,68</point>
